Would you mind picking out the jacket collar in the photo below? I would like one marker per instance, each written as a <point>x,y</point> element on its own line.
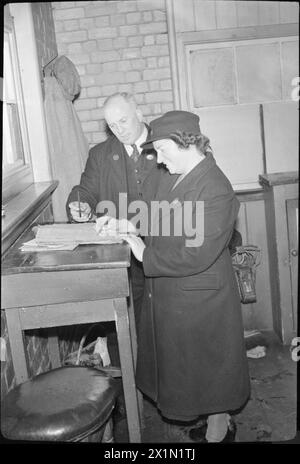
<point>196,173</point>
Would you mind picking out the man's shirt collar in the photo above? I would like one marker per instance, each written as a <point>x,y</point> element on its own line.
<point>138,142</point>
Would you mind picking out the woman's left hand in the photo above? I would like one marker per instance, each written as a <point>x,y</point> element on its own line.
<point>137,246</point>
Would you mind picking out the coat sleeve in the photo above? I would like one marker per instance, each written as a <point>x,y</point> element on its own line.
<point>89,182</point>
<point>171,257</point>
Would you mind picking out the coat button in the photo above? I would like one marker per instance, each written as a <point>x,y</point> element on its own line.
<point>150,295</point>
<point>138,181</point>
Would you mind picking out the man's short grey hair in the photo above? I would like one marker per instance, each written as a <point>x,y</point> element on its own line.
<point>126,95</point>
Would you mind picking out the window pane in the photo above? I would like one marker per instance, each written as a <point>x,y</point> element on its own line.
<point>11,123</point>
<point>13,151</point>
<point>212,75</point>
<point>259,76</point>
<point>290,66</point>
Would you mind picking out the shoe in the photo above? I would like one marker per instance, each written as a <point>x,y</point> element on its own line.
<point>174,433</point>
<point>197,434</point>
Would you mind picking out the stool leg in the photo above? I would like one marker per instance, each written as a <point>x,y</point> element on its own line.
<point>103,435</point>
<point>108,436</point>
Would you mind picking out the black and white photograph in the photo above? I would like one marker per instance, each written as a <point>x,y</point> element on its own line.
<point>150,223</point>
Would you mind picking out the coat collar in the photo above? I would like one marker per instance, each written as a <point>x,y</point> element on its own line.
<point>197,172</point>
<point>167,192</point>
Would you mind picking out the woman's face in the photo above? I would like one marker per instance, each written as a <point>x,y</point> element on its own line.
<point>169,154</point>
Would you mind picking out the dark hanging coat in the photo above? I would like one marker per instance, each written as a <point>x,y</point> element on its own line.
<point>191,352</point>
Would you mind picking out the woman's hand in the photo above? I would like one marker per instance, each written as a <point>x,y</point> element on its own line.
<point>137,246</point>
<point>111,225</point>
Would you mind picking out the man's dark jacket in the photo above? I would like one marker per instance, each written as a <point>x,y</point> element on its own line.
<point>110,171</point>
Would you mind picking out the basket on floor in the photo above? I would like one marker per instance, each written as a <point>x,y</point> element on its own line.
<point>85,356</point>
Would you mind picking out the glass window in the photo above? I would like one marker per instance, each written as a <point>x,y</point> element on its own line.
<point>16,166</point>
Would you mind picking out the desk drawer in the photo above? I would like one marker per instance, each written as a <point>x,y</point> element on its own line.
<point>42,288</point>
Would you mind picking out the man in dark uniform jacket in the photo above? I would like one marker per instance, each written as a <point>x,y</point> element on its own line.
<point>116,166</point>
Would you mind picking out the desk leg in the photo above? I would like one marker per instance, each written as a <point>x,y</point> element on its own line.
<point>53,348</point>
<point>134,349</point>
<point>16,341</point>
<point>127,366</point>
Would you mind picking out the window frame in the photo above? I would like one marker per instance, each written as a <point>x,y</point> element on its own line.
<point>19,176</point>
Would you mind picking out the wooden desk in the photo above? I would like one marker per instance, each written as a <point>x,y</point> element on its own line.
<point>50,289</point>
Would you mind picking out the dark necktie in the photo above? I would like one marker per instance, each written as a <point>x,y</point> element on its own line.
<point>135,154</point>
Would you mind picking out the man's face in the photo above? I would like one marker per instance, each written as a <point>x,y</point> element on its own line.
<point>124,120</point>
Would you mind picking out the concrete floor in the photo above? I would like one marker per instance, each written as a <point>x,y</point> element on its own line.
<point>269,415</point>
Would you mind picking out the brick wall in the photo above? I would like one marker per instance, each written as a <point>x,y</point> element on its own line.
<point>116,46</point>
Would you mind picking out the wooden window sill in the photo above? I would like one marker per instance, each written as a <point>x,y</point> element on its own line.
<point>23,209</point>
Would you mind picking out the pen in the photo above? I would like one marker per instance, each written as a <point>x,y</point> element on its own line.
<point>78,197</point>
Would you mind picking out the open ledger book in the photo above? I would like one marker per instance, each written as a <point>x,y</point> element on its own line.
<point>68,236</point>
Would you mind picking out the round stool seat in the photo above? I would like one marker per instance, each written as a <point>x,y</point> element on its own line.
<point>64,404</point>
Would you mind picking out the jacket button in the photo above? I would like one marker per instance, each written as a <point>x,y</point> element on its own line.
<point>150,295</point>
<point>138,181</point>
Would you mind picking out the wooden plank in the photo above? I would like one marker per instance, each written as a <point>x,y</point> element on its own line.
<point>24,208</point>
<point>184,15</point>
<point>66,314</point>
<point>292,207</point>
<point>83,257</point>
<point>257,235</point>
<point>247,13</point>
<point>53,348</point>
<point>288,12</point>
<point>127,367</point>
<point>250,196</point>
<point>217,124</point>
<point>226,14</point>
<point>240,33</point>
<point>281,135</point>
<point>42,288</point>
<point>273,260</point>
<point>16,341</point>
<point>279,178</point>
<point>281,194</point>
<point>268,12</point>
<point>205,15</point>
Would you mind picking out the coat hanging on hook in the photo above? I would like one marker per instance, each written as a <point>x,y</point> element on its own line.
<point>66,74</point>
<point>48,67</point>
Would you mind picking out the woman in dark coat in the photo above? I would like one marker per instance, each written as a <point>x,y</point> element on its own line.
<point>191,353</point>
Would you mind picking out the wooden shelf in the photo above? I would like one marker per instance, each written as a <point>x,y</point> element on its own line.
<point>279,178</point>
<point>23,209</point>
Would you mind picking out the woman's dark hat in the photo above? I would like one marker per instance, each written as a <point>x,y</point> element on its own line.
<point>170,122</point>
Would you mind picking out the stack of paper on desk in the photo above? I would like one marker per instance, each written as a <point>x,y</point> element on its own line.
<point>78,233</point>
<point>32,245</point>
<point>68,237</point>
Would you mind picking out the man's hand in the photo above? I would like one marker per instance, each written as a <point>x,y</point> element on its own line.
<point>85,211</point>
<point>111,225</point>
<point>137,246</point>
